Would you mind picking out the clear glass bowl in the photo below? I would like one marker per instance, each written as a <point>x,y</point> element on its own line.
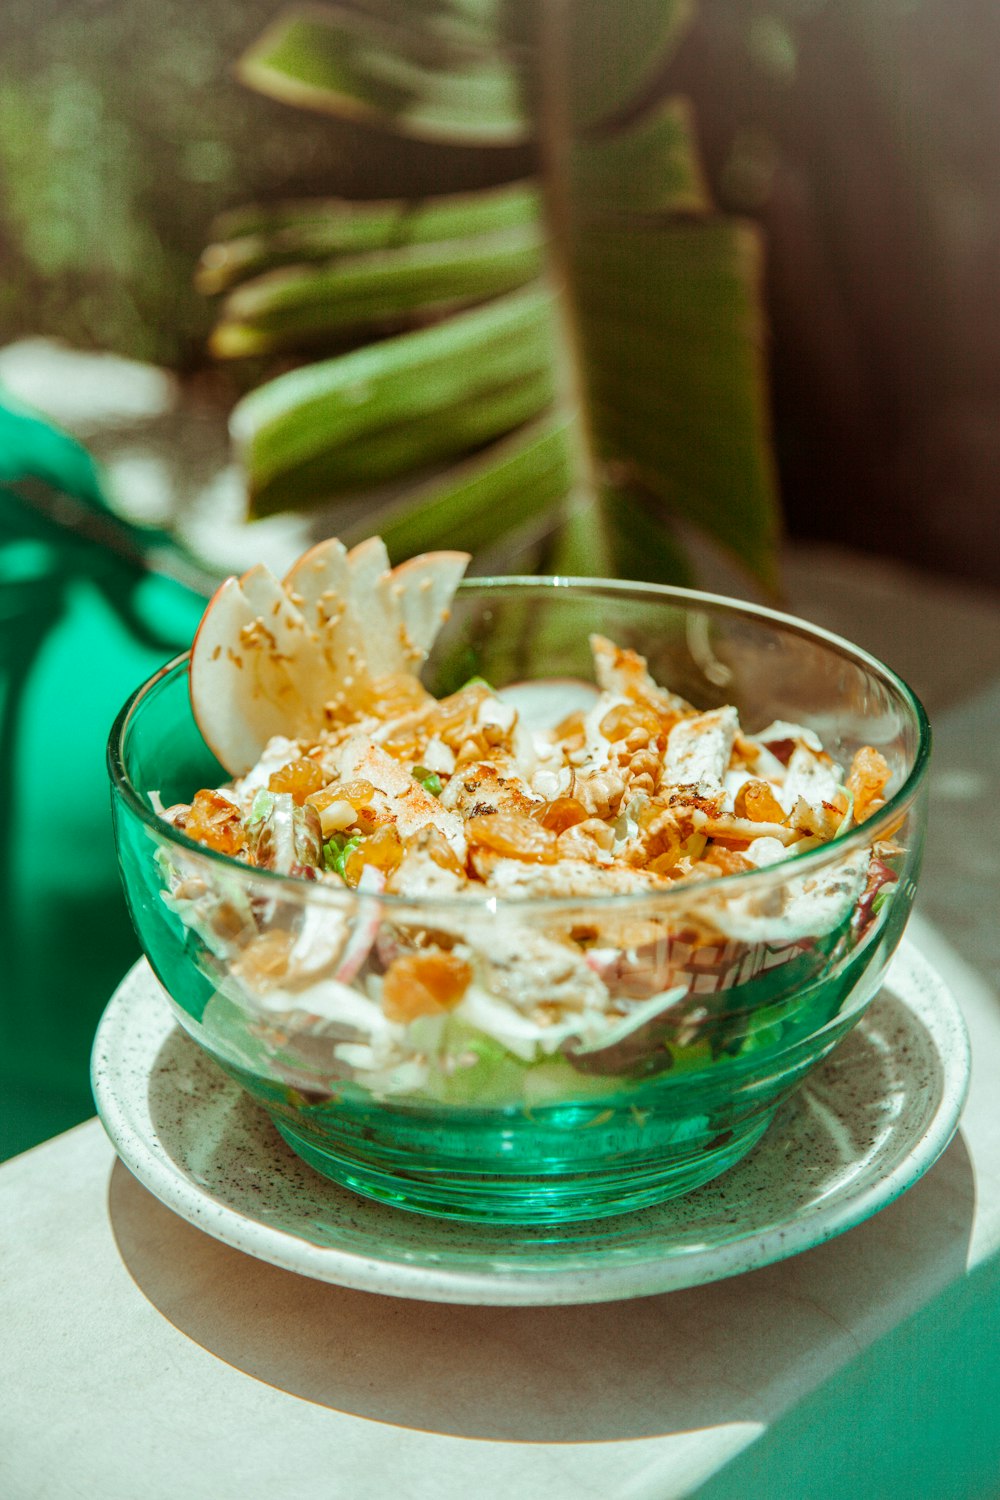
<point>574,1134</point>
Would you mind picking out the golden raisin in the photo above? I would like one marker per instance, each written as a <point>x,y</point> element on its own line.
<point>215,822</point>
<point>663,842</point>
<point>572,726</point>
<point>322,799</point>
<point>513,837</point>
<point>571,734</point>
<point>432,842</point>
<point>424,984</point>
<point>266,956</point>
<point>404,744</point>
<point>756,801</point>
<point>394,694</point>
<point>383,850</point>
<point>866,781</point>
<point>561,814</point>
<point>455,716</point>
<point>358,793</point>
<point>228,922</point>
<point>300,777</point>
<point>342,805</point>
<point>620,721</point>
<point>744,751</point>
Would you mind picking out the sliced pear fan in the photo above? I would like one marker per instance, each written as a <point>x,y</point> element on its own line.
<point>271,658</point>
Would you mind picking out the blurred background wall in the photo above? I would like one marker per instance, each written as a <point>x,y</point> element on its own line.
<point>865,135</point>
<point>861,133</point>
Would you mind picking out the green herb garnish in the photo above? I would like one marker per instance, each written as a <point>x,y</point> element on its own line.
<point>261,808</point>
<point>429,780</point>
<point>881,897</point>
<point>338,850</point>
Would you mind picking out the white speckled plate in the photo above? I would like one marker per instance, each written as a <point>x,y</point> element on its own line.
<point>865,1127</point>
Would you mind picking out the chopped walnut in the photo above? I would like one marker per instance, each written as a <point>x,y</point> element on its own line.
<point>599,792</point>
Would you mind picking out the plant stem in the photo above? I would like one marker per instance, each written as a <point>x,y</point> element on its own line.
<point>555,131</point>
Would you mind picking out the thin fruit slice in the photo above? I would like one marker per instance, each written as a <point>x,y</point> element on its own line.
<point>241,692</point>
<point>285,658</point>
<point>425,587</point>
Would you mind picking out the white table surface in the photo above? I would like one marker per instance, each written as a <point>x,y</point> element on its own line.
<point>140,1358</point>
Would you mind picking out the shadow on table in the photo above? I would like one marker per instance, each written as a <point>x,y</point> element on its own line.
<point>734,1351</point>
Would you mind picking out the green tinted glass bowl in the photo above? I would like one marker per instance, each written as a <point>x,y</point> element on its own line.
<point>565,1137</point>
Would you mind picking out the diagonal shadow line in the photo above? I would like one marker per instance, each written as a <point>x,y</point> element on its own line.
<point>734,1351</point>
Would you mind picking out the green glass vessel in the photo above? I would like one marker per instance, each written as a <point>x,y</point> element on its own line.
<point>571,1135</point>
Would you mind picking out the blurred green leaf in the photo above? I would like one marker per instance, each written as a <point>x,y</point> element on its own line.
<point>289,309</point>
<point>692,428</point>
<point>402,64</point>
<point>510,484</point>
<point>649,169</point>
<point>584,351</point>
<point>614,51</point>
<point>644,544</point>
<point>257,240</point>
<point>402,404</point>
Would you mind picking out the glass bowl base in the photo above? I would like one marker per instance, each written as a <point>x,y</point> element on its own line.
<point>523,1197</point>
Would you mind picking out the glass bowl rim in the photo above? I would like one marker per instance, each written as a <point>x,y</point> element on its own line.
<point>862,836</point>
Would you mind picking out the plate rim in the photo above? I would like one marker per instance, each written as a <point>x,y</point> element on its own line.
<point>915,982</point>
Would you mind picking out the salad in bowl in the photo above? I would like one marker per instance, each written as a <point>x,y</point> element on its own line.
<point>516,898</point>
